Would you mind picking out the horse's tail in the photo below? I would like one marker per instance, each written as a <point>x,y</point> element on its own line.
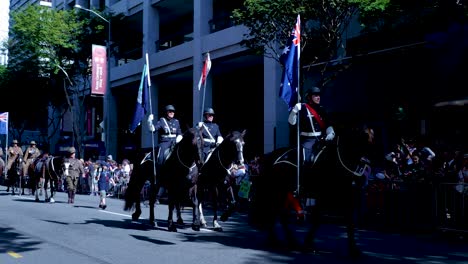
<point>133,192</point>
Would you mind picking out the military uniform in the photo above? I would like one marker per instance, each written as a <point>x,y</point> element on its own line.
<point>72,170</point>
<point>313,126</point>
<point>169,133</point>
<point>31,153</point>
<point>210,132</point>
<point>13,153</point>
<point>2,161</point>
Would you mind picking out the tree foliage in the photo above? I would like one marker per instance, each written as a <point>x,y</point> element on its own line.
<point>50,54</point>
<point>323,24</point>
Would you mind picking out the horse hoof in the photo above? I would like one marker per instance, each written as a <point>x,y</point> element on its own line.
<point>37,199</point>
<point>203,225</point>
<point>355,252</point>
<point>218,229</point>
<point>172,228</point>
<point>180,221</point>
<point>196,227</point>
<point>51,200</point>
<point>135,217</point>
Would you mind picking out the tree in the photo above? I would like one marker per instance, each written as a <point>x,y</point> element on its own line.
<point>322,30</point>
<point>50,53</point>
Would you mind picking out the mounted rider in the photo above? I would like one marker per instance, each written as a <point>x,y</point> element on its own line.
<point>169,133</point>
<point>313,124</point>
<point>31,154</point>
<point>14,152</point>
<point>314,128</point>
<point>211,134</point>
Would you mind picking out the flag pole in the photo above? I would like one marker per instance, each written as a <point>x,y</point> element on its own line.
<point>151,113</point>
<point>6,144</point>
<point>298,119</point>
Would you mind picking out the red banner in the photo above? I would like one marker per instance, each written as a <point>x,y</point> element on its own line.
<point>99,70</point>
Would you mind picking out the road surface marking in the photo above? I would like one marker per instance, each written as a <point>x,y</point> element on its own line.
<point>108,212</point>
<point>13,254</point>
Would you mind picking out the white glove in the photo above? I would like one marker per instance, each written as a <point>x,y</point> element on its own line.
<point>200,124</point>
<point>297,108</point>
<point>330,134</point>
<point>150,123</point>
<point>219,140</point>
<point>178,138</point>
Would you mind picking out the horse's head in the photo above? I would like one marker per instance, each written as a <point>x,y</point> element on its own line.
<point>191,145</point>
<point>234,143</point>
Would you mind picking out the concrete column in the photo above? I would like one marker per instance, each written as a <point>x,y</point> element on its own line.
<point>150,28</point>
<point>202,14</point>
<point>94,4</point>
<point>275,111</point>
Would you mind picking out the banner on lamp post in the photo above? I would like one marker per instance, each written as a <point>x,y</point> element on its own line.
<point>99,70</point>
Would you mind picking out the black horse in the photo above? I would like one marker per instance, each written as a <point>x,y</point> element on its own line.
<point>213,180</point>
<point>14,175</point>
<point>174,175</point>
<point>44,174</point>
<point>338,174</point>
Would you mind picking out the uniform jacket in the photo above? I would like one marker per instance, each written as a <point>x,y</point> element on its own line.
<point>75,168</point>
<point>31,153</point>
<point>213,129</point>
<point>168,129</point>
<point>13,152</point>
<point>305,118</point>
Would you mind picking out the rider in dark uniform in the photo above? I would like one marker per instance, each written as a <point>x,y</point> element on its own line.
<point>313,124</point>
<point>314,127</point>
<point>169,133</point>
<point>210,131</point>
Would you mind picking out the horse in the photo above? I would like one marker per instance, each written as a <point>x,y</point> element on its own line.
<point>45,173</point>
<point>174,176</point>
<point>340,167</point>
<point>214,178</point>
<point>14,175</point>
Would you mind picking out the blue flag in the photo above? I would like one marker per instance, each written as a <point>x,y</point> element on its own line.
<point>4,123</point>
<point>142,100</point>
<point>290,60</point>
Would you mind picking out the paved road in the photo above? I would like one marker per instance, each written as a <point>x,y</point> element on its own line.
<point>32,232</point>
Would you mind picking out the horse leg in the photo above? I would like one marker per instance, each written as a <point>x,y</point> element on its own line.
<point>171,226</point>
<point>354,251</point>
<point>201,215</point>
<point>216,225</point>
<point>231,205</point>
<point>309,241</point>
<point>196,209</point>
<point>152,201</point>
<point>180,221</point>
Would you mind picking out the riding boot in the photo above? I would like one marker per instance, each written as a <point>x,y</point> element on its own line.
<point>69,196</point>
<point>72,197</point>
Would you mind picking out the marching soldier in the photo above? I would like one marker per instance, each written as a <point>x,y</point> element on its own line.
<point>31,153</point>
<point>210,131</point>
<point>14,152</point>
<point>73,170</point>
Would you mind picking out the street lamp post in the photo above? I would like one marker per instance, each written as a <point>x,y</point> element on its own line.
<point>106,106</point>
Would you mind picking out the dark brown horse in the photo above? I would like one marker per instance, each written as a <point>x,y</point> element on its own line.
<point>213,180</point>
<point>15,180</point>
<point>44,174</point>
<point>338,174</point>
<point>174,175</point>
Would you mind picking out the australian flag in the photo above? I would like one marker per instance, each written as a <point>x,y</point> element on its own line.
<point>142,100</point>
<point>290,60</point>
<point>4,123</point>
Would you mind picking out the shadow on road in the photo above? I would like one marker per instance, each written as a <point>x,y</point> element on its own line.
<point>16,242</point>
